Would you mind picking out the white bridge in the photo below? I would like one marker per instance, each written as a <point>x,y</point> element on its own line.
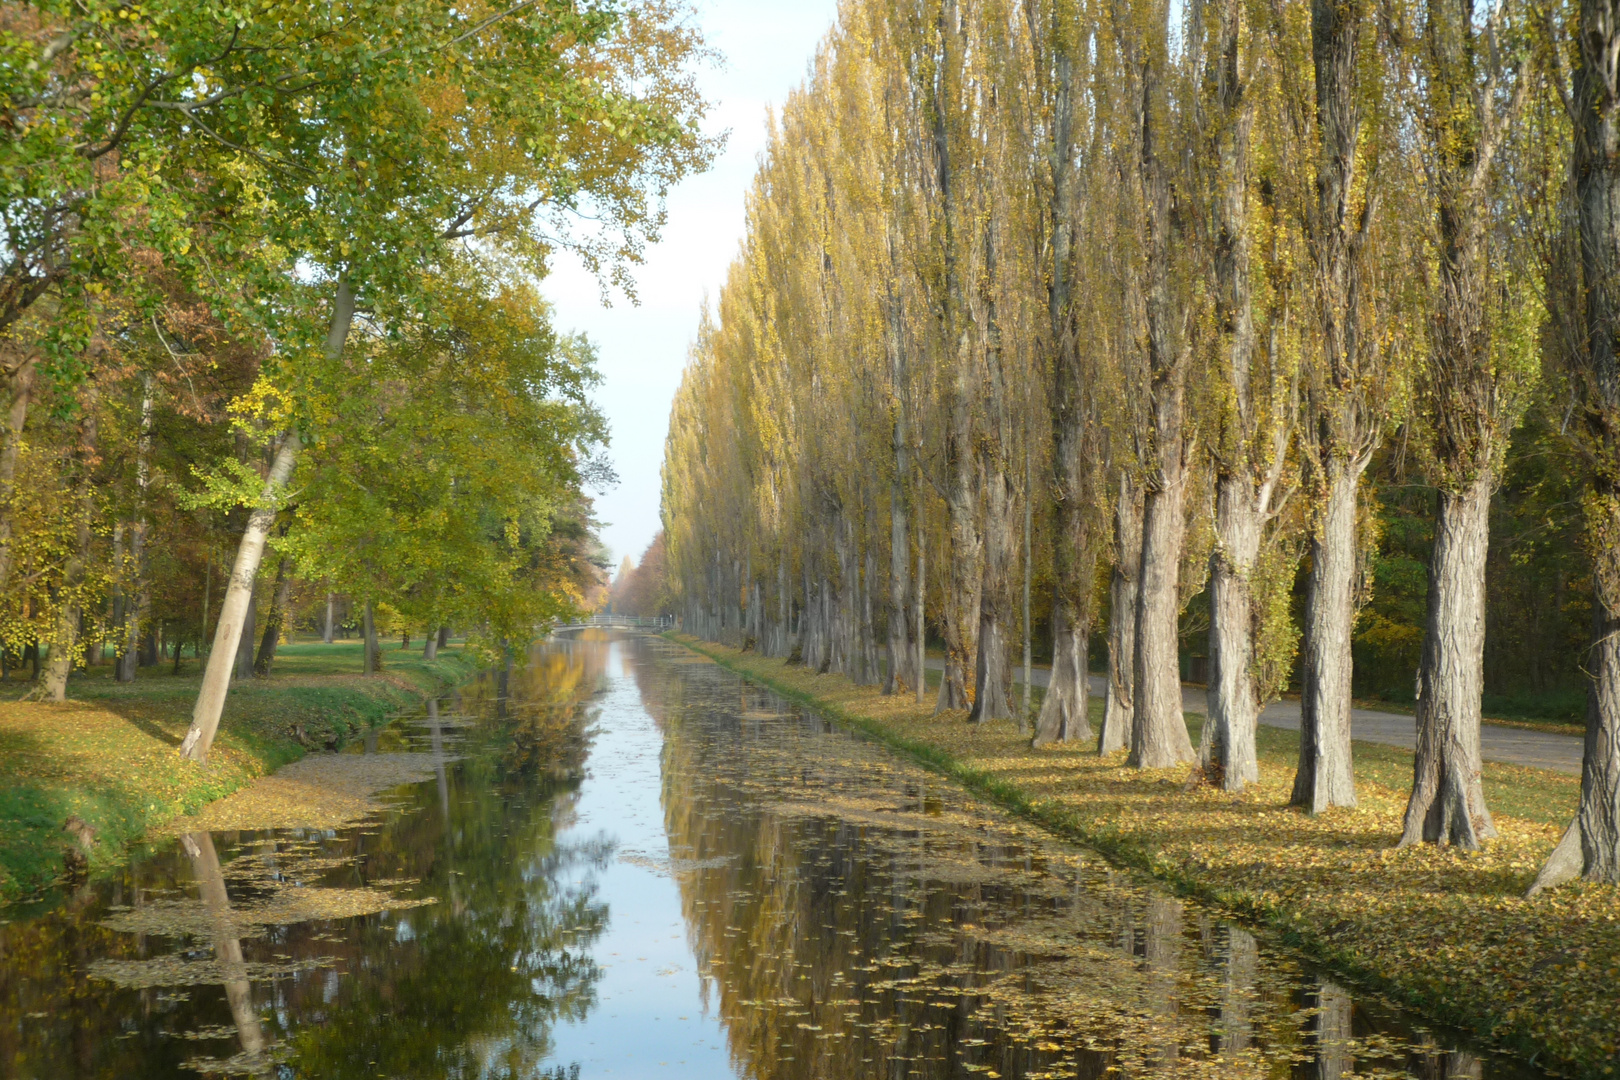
<point>621,622</point>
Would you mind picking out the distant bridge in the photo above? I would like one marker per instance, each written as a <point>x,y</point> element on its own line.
<point>620,622</point>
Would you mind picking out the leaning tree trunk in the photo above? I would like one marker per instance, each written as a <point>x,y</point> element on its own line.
<point>1119,709</point>
<point>273,623</point>
<point>1325,777</point>
<point>217,677</point>
<point>1226,750</point>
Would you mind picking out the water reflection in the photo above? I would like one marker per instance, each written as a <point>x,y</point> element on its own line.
<point>718,884</point>
<point>856,917</point>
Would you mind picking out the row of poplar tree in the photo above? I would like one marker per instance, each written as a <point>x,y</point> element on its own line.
<point>267,282</point>
<point>1143,288</point>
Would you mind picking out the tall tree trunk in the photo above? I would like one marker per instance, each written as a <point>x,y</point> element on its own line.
<point>921,620</point>
<point>273,623</point>
<point>1065,710</point>
<point>1591,848</point>
<point>326,629</point>
<point>1158,729</point>
<point>430,645</point>
<point>1120,707</point>
<point>65,640</point>
<point>959,613</point>
<point>1245,481</point>
<point>1326,777</point>
<point>900,675</point>
<point>217,676</point>
<point>992,673</point>
<point>22,389</point>
<point>371,662</point>
<point>1341,436</point>
<point>129,659</point>
<point>1029,526</point>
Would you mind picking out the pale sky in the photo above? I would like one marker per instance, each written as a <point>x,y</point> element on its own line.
<point>766,47</point>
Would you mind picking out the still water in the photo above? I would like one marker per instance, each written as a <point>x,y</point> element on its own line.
<point>633,864</point>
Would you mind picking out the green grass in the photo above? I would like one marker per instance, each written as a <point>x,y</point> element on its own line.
<point>109,754</point>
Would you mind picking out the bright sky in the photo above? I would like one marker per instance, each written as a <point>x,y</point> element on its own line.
<point>766,46</point>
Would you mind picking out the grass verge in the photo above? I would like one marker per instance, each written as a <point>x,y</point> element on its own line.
<point>1444,932</point>
<point>110,754</point>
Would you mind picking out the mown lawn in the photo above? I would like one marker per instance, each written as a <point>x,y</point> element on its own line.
<point>1444,931</point>
<point>110,755</point>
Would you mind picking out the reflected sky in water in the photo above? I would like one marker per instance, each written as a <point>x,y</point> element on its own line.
<point>634,864</point>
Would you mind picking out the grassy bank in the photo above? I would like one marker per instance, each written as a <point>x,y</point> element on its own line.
<point>1443,931</point>
<point>110,755</point>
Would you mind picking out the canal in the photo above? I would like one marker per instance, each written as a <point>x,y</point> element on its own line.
<point>632,863</point>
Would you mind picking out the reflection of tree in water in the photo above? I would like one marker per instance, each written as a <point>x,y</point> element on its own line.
<point>284,947</point>
<point>474,986</point>
<point>856,918</point>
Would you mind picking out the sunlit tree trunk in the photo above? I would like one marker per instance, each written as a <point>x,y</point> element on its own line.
<point>1158,729</point>
<point>327,628</point>
<point>1591,847</point>
<point>1325,776</point>
<point>217,676</point>
<point>244,644</point>
<point>1343,430</point>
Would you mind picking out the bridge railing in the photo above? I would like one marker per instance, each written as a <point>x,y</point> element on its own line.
<point>628,622</point>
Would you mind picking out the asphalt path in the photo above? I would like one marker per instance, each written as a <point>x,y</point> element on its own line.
<point>1497,742</point>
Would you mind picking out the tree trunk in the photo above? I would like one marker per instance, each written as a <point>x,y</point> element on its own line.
<point>1226,750</point>
<point>65,642</point>
<point>244,644</point>
<point>430,645</point>
<point>1448,802</point>
<point>326,630</point>
<point>1158,729</point>
<point>227,940</point>
<point>444,636</point>
<point>1326,777</point>
<point>129,659</point>
<point>216,677</point>
<point>992,674</point>
<point>1120,707</point>
<point>1029,526</point>
<point>990,698</point>
<point>921,624</point>
<point>22,388</point>
<point>1064,711</point>
<point>959,613</point>
<point>278,615</point>
<point>371,663</point>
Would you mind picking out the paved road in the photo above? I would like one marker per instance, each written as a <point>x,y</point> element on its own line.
<point>1515,746</point>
